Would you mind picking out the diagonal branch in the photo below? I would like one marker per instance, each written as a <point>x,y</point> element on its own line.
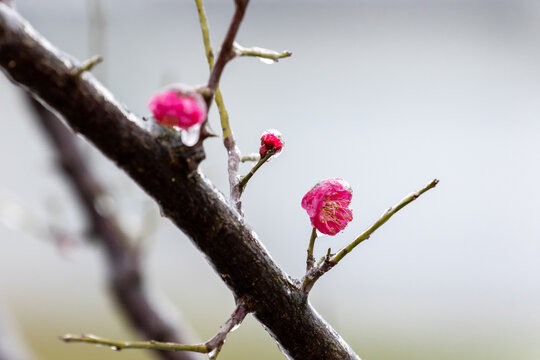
<point>384,218</point>
<point>126,277</point>
<point>169,174</point>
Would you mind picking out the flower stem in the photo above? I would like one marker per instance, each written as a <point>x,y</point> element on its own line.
<point>310,259</point>
<point>243,182</point>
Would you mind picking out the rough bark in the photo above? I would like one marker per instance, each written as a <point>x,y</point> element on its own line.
<point>169,174</point>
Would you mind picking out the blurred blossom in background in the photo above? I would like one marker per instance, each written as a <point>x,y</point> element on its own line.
<point>385,94</point>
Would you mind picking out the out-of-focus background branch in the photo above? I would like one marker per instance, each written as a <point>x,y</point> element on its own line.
<point>375,89</point>
<point>126,280</point>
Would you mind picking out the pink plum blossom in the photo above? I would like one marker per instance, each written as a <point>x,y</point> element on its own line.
<point>327,205</point>
<point>271,140</point>
<point>178,108</point>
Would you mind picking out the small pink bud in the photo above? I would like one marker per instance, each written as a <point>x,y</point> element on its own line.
<point>177,107</point>
<point>271,140</point>
<point>327,205</point>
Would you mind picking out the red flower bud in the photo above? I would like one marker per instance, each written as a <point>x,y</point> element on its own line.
<point>271,140</point>
<point>183,109</point>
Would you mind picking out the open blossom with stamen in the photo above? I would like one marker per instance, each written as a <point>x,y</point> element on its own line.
<point>327,205</point>
<point>178,108</point>
<point>271,140</point>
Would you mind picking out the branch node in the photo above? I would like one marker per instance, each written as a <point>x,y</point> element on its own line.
<point>86,65</point>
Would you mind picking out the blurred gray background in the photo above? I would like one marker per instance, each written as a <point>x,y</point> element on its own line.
<point>386,94</point>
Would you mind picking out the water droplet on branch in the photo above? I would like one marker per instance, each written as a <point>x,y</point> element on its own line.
<point>267,61</point>
<point>191,136</point>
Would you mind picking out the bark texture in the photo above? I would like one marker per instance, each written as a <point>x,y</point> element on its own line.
<point>169,173</point>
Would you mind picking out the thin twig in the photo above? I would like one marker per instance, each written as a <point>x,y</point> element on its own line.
<point>384,218</point>
<point>330,261</point>
<point>97,33</point>
<point>203,21</point>
<point>310,260</point>
<point>233,153</point>
<point>243,182</point>
<point>260,52</point>
<point>212,346</point>
<point>121,345</point>
<point>227,53</point>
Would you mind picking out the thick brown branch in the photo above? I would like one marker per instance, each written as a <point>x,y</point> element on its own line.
<point>126,277</point>
<point>169,174</point>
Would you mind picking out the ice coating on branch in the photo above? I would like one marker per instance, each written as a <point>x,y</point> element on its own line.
<point>191,135</point>
<point>327,205</point>
<point>178,108</point>
<point>271,139</point>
